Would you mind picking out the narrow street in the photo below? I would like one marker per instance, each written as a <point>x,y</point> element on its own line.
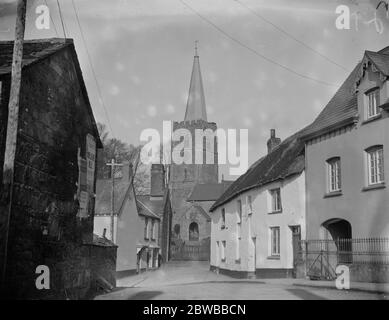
<point>193,280</point>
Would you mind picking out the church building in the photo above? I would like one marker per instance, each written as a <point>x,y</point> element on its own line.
<point>190,228</point>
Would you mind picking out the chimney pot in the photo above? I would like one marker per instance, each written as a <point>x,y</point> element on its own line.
<point>273,141</point>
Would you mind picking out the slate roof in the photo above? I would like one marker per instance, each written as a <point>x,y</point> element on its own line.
<point>201,210</point>
<point>39,49</point>
<point>284,161</point>
<point>33,51</point>
<point>152,208</point>
<point>208,191</point>
<point>342,109</point>
<point>103,242</point>
<point>103,195</point>
<point>381,61</point>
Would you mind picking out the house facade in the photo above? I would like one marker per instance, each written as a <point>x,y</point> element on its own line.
<point>258,221</point>
<point>347,157</point>
<point>137,219</point>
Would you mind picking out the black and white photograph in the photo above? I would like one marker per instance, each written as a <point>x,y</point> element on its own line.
<point>207,151</point>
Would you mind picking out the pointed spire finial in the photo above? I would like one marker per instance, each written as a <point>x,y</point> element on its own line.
<point>195,107</point>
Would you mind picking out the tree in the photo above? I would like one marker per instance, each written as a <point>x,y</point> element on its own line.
<point>122,152</point>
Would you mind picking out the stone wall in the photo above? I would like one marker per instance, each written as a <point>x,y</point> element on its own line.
<point>103,267</point>
<point>44,228</point>
<point>184,177</point>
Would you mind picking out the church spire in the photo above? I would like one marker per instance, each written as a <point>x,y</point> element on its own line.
<point>195,107</point>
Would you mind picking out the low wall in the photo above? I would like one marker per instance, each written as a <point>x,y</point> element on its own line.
<point>103,254</point>
<point>258,274</point>
<point>369,273</point>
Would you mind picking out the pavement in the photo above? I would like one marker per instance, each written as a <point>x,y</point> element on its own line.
<point>193,280</point>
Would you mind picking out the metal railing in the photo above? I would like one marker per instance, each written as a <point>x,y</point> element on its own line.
<point>347,251</point>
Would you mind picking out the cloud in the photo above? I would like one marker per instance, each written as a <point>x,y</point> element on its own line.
<point>117,9</point>
<point>114,90</point>
<point>7,8</point>
<point>247,122</point>
<point>151,111</point>
<point>170,108</point>
<point>119,66</point>
<point>135,79</point>
<point>317,105</point>
<point>211,77</point>
<point>184,97</point>
<point>122,121</point>
<point>263,116</point>
<point>260,80</point>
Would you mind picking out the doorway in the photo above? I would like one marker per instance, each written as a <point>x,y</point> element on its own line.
<point>253,255</point>
<point>296,245</point>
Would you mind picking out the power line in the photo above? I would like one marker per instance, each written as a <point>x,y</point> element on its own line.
<point>93,70</point>
<point>290,35</point>
<point>255,51</point>
<point>60,15</point>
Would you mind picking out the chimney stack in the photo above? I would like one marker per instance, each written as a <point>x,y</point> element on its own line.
<point>273,141</point>
<point>127,171</point>
<point>157,188</point>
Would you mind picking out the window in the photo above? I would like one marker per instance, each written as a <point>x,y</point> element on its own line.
<point>276,200</point>
<point>223,222</point>
<point>239,219</point>
<point>334,178</point>
<point>375,163</point>
<point>372,103</point>
<point>239,204</point>
<point>249,205</point>
<point>275,241</point>
<point>177,230</point>
<point>237,250</point>
<point>223,251</point>
<point>146,230</point>
<point>193,232</point>
<point>153,230</point>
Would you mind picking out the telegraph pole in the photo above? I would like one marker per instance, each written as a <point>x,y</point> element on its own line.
<point>113,164</point>
<point>13,118</point>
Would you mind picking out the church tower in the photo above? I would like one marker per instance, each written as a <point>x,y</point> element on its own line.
<point>187,224</point>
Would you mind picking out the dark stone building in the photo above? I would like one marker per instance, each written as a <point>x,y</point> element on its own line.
<point>52,202</point>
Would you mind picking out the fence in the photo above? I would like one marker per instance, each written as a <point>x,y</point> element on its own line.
<point>186,251</point>
<point>322,256</point>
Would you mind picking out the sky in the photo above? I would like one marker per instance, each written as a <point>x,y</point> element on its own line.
<point>142,53</point>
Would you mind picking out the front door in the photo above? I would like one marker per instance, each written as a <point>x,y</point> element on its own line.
<point>296,238</point>
<point>253,254</point>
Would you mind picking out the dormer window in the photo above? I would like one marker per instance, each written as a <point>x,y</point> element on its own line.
<point>372,102</point>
